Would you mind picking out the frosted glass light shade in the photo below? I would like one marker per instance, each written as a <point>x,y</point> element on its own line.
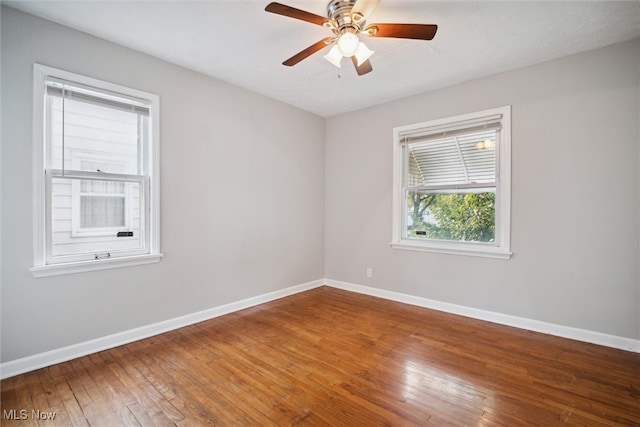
<point>363,53</point>
<point>348,44</point>
<point>334,56</point>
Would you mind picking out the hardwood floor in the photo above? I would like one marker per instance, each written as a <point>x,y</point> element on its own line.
<point>327,357</point>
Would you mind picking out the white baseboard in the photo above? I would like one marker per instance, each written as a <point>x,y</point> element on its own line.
<point>48,358</point>
<point>593,337</point>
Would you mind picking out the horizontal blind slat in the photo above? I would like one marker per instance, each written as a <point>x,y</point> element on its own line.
<point>108,101</point>
<point>451,130</point>
<point>463,159</point>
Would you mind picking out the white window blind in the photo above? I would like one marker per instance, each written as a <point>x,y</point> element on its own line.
<point>459,161</point>
<point>421,134</point>
<point>78,92</point>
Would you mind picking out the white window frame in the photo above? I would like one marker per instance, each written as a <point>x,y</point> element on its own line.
<point>42,263</point>
<point>501,247</point>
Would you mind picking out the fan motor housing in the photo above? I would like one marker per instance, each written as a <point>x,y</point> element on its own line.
<point>340,12</point>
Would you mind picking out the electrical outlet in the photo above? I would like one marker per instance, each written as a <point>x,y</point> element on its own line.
<point>369,273</point>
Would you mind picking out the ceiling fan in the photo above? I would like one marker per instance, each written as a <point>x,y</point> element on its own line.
<point>347,19</point>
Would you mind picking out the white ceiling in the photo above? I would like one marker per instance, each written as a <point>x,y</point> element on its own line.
<point>238,42</point>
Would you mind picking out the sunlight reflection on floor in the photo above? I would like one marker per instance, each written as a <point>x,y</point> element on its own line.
<point>422,379</point>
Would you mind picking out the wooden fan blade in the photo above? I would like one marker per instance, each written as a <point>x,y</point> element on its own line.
<point>364,68</point>
<point>307,52</point>
<point>364,7</point>
<point>292,12</point>
<point>402,31</point>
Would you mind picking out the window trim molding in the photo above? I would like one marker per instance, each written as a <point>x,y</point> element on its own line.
<point>93,265</point>
<point>40,267</point>
<point>502,249</point>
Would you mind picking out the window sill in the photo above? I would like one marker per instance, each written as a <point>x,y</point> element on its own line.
<point>93,265</point>
<point>454,248</point>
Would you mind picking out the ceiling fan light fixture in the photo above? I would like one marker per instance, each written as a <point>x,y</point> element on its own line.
<point>363,53</point>
<point>347,19</point>
<point>334,56</point>
<point>348,44</point>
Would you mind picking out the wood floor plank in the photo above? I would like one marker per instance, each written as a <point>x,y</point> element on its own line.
<point>331,357</point>
<point>71,407</point>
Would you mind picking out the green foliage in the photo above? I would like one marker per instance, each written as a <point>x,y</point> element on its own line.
<point>468,217</point>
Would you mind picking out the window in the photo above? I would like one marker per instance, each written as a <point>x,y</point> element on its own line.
<point>451,190</point>
<point>96,177</point>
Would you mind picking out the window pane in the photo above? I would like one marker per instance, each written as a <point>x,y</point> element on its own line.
<point>461,159</point>
<point>468,217</point>
<point>94,132</point>
<point>89,222</point>
<point>102,211</point>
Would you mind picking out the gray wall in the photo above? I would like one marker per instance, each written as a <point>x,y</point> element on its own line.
<point>575,192</point>
<point>242,200</point>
